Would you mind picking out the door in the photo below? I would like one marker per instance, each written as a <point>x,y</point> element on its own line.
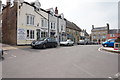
<point>38,34</point>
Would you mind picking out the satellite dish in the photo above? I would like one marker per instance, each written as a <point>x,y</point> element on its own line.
<point>37,4</point>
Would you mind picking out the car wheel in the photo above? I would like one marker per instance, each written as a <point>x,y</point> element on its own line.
<point>55,45</point>
<point>68,44</point>
<point>105,45</point>
<point>44,46</point>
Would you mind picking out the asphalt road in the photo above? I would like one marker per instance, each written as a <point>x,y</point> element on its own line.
<point>81,61</point>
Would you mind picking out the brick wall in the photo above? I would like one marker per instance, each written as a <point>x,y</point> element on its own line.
<point>9,25</point>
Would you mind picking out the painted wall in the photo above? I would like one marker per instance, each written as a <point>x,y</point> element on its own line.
<point>23,26</point>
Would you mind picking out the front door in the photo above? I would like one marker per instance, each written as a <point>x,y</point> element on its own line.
<point>38,34</point>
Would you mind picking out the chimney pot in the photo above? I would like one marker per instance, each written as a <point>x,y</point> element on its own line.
<point>56,10</point>
<point>92,26</point>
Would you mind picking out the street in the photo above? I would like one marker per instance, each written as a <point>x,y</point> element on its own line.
<point>79,61</point>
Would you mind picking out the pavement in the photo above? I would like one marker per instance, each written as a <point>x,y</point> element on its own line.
<point>110,49</point>
<point>6,47</point>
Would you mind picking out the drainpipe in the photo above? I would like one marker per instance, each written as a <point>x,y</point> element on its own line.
<point>48,25</point>
<point>58,30</point>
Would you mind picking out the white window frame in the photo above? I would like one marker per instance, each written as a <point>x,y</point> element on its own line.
<point>30,36</point>
<point>30,19</point>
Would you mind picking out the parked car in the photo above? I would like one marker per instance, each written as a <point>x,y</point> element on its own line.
<point>82,42</point>
<point>67,43</point>
<point>1,54</point>
<point>44,43</point>
<point>109,43</point>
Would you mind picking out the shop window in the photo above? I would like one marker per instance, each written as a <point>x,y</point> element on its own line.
<point>30,34</point>
<point>43,34</point>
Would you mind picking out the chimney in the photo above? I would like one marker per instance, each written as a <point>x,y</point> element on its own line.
<point>107,27</point>
<point>92,26</point>
<point>56,10</point>
<point>8,2</point>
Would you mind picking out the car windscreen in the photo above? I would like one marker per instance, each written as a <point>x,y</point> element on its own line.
<point>41,39</point>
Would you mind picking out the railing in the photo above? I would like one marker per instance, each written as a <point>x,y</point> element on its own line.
<point>117,46</point>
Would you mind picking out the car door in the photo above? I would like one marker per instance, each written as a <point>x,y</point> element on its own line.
<point>49,42</point>
<point>111,43</point>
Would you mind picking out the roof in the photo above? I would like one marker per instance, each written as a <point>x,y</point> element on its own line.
<point>114,31</point>
<point>72,25</point>
<point>99,28</point>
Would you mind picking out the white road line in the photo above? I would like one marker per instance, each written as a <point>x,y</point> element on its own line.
<point>99,49</point>
<point>84,70</point>
<point>13,55</point>
<point>5,53</point>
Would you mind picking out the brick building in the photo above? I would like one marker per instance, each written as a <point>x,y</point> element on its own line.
<point>99,34</point>
<point>113,33</point>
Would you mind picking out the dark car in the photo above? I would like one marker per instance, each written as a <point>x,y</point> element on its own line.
<point>44,43</point>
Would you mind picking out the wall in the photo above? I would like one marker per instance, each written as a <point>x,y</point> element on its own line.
<point>9,25</point>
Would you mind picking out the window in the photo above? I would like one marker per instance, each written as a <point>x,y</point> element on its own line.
<point>99,36</point>
<point>94,37</point>
<point>112,35</point>
<point>103,36</point>
<point>61,28</point>
<point>43,34</point>
<point>30,20</point>
<point>42,22</point>
<point>30,34</point>
<point>54,25</point>
<point>27,34</point>
<point>51,25</point>
<point>27,19</point>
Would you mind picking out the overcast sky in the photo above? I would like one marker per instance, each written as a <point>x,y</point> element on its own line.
<point>85,13</point>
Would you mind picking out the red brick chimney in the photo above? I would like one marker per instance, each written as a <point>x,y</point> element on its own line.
<point>56,10</point>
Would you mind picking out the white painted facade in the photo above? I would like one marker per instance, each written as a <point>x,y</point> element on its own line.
<point>31,24</point>
<point>34,23</point>
<point>62,27</point>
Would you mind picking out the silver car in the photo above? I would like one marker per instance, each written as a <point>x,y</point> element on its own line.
<point>67,43</point>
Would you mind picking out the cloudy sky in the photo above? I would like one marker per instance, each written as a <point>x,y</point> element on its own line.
<point>85,13</point>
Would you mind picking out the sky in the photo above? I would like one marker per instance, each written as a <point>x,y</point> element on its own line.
<point>85,13</point>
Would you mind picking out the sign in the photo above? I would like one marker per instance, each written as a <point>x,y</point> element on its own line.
<point>21,35</point>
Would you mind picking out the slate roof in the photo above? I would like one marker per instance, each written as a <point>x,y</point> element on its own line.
<point>72,25</point>
<point>99,28</point>
<point>114,31</point>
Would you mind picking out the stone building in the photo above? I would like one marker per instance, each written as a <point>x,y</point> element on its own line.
<point>99,34</point>
<point>84,35</point>
<point>73,31</point>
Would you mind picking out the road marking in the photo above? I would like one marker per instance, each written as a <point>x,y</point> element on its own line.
<point>84,70</point>
<point>99,49</point>
<point>5,53</point>
<point>13,55</point>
